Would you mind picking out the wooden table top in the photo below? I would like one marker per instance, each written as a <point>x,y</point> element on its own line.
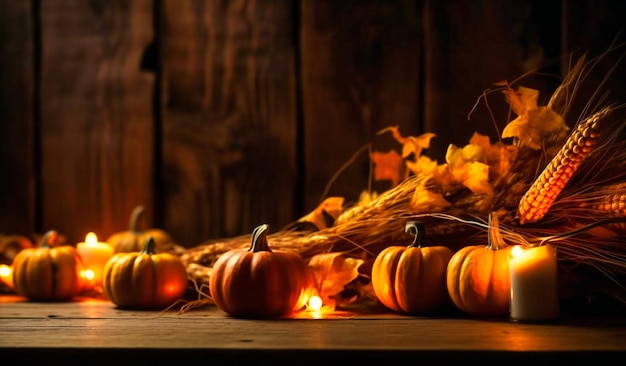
<point>92,329</point>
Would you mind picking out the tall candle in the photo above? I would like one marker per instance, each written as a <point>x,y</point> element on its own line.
<point>534,295</point>
<point>95,255</point>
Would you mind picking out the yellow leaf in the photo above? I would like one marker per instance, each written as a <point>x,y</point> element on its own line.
<point>424,200</point>
<point>422,164</point>
<point>332,272</point>
<point>415,145</point>
<point>466,167</point>
<point>534,124</point>
<point>498,156</point>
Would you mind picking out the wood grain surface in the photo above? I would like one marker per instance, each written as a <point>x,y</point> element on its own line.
<point>219,116</point>
<point>96,329</point>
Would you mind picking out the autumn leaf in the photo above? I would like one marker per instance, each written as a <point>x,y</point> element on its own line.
<point>534,123</point>
<point>396,167</point>
<point>498,156</point>
<point>423,164</point>
<point>326,213</point>
<point>424,200</point>
<point>332,272</point>
<point>410,144</point>
<point>466,167</point>
<point>388,166</point>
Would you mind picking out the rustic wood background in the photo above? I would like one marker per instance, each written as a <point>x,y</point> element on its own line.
<point>220,115</point>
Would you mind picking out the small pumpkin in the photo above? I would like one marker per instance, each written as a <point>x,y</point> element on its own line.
<point>134,239</point>
<point>412,279</point>
<point>48,273</point>
<point>144,280</point>
<point>478,276</point>
<point>260,283</point>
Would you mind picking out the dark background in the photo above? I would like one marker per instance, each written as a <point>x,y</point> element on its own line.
<point>220,115</point>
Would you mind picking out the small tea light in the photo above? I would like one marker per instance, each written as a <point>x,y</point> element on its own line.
<point>95,254</point>
<point>6,275</point>
<point>315,303</point>
<point>534,295</point>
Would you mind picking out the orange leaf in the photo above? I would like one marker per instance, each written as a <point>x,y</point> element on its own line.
<point>326,213</point>
<point>332,272</point>
<point>388,166</point>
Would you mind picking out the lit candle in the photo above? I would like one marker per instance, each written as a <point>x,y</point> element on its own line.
<point>95,255</point>
<point>533,272</point>
<point>6,275</point>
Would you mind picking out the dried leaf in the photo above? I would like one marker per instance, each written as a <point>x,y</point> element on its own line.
<point>326,213</point>
<point>423,164</point>
<point>333,271</point>
<point>424,200</point>
<point>498,156</point>
<point>534,123</point>
<point>388,166</point>
<point>466,167</point>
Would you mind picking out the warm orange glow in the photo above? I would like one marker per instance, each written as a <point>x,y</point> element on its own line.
<point>6,274</point>
<point>171,288</point>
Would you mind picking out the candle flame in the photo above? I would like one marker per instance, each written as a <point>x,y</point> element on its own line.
<point>517,251</point>
<point>91,239</point>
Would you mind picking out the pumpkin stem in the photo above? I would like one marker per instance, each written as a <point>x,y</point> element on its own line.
<point>148,248</point>
<point>134,218</point>
<point>417,229</point>
<point>47,238</point>
<point>494,237</point>
<point>259,239</point>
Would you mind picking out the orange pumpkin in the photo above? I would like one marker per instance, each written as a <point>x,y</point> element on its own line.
<point>48,273</point>
<point>134,239</point>
<point>144,280</point>
<point>478,276</point>
<point>412,279</point>
<point>260,283</point>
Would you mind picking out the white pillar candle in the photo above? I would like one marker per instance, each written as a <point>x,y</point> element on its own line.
<point>94,254</point>
<point>534,294</point>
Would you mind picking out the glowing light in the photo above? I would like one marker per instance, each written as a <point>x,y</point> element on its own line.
<point>94,255</point>
<point>315,303</point>
<point>88,274</point>
<point>517,251</point>
<point>6,274</point>
<point>533,274</point>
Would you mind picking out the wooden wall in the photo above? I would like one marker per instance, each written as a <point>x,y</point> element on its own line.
<point>220,115</point>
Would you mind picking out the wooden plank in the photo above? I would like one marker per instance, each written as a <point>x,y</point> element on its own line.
<point>18,182</point>
<point>470,46</point>
<point>229,117</point>
<point>97,329</point>
<point>97,119</point>
<point>595,28</point>
<point>360,73</point>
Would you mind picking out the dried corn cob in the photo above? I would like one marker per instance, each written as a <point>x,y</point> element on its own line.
<point>537,200</point>
<point>613,203</point>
